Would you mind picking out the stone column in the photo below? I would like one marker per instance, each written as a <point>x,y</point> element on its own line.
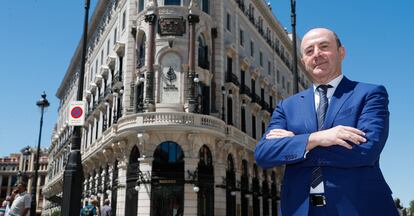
<point>122,172</point>
<point>144,193</point>
<point>191,97</point>
<point>219,193</point>
<point>190,197</point>
<point>149,102</point>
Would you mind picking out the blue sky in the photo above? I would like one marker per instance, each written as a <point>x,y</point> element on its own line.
<point>39,38</point>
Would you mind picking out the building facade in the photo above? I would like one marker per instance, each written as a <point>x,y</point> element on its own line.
<point>178,93</point>
<point>20,166</point>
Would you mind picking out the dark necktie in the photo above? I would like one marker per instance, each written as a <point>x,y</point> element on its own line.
<point>321,113</point>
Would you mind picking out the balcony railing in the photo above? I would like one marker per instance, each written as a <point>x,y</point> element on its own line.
<point>245,90</point>
<point>231,77</point>
<point>255,98</point>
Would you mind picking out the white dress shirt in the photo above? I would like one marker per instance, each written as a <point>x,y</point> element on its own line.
<point>334,83</point>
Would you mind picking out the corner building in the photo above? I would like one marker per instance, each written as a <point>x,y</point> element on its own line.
<point>178,94</point>
<point>20,166</point>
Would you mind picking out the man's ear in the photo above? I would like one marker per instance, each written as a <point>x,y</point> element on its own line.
<point>342,52</point>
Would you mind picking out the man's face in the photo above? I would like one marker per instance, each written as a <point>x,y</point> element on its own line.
<point>20,188</point>
<point>321,56</point>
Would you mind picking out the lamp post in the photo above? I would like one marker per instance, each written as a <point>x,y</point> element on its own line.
<point>295,57</point>
<point>26,152</point>
<point>73,174</point>
<point>42,104</point>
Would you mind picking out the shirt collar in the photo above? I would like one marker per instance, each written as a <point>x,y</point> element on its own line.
<point>334,83</point>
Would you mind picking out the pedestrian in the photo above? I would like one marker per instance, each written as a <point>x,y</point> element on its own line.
<point>330,138</point>
<point>89,209</point>
<point>4,206</point>
<point>106,208</point>
<point>95,206</point>
<point>21,202</point>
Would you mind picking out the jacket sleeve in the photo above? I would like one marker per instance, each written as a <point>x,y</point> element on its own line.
<point>374,121</point>
<point>274,152</point>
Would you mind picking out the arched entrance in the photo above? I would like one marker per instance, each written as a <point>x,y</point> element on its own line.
<point>244,189</point>
<point>205,205</point>
<point>167,184</point>
<point>230,187</point>
<point>131,199</point>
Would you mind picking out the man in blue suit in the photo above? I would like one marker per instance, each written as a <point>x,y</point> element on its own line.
<point>330,137</point>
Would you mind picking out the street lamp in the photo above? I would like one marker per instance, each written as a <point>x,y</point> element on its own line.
<point>42,104</point>
<point>73,174</point>
<point>295,57</point>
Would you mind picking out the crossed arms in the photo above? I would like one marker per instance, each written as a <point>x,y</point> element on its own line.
<point>339,146</point>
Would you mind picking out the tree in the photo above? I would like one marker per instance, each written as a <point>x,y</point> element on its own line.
<point>411,208</point>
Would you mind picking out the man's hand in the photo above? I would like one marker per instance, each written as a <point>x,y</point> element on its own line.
<point>279,133</point>
<point>338,135</point>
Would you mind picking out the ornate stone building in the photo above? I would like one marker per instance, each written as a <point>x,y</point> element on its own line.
<point>20,166</point>
<point>178,93</point>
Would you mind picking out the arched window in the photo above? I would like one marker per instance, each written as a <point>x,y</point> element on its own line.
<point>114,194</point>
<point>230,187</point>
<point>205,201</point>
<point>245,189</point>
<point>255,190</point>
<point>131,198</point>
<point>167,188</point>
<point>141,48</point>
<point>203,53</point>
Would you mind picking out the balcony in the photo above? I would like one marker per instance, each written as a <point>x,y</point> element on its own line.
<point>231,77</point>
<point>245,90</point>
<point>119,48</point>
<point>205,64</point>
<point>255,98</point>
<point>241,5</point>
<point>117,80</point>
<point>174,121</point>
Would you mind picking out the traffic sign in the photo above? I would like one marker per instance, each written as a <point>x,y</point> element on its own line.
<point>76,113</point>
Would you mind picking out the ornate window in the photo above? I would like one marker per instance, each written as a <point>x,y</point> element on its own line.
<point>203,53</point>
<point>141,48</point>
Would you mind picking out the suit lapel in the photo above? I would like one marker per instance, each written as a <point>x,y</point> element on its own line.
<point>341,94</point>
<point>308,102</point>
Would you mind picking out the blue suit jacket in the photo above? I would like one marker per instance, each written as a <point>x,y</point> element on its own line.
<point>354,184</point>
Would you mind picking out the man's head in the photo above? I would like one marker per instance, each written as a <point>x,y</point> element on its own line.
<point>106,202</point>
<point>94,202</point>
<point>21,186</point>
<point>322,55</point>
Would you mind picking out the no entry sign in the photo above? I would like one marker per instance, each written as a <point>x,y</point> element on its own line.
<point>76,113</point>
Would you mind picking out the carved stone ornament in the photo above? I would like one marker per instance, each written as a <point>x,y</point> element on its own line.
<point>172,26</point>
<point>170,76</point>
